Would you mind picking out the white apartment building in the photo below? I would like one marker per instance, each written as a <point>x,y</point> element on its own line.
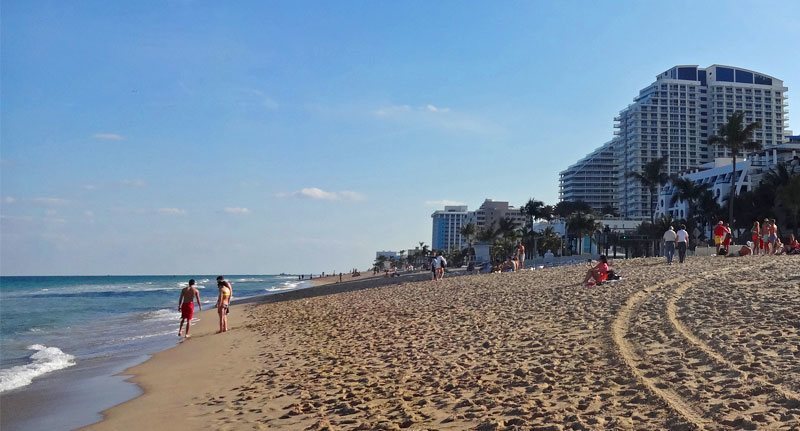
<point>447,226</point>
<point>675,115</point>
<point>593,179</point>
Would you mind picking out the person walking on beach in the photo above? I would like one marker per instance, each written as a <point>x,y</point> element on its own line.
<point>223,302</point>
<point>186,305</point>
<point>442,265</point>
<point>682,242</point>
<point>520,255</point>
<point>670,237</point>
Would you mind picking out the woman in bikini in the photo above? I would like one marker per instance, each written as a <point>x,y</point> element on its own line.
<point>223,302</point>
<point>755,234</point>
<point>766,249</point>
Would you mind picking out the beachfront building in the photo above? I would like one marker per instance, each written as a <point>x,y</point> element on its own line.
<point>491,212</point>
<point>674,116</point>
<point>447,226</point>
<point>593,179</point>
<point>716,176</point>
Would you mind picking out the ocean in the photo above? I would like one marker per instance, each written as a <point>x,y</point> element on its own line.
<point>51,325</point>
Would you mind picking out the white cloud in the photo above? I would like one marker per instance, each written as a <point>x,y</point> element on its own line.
<point>237,210</point>
<point>102,136</point>
<point>443,203</point>
<point>49,201</point>
<point>319,194</point>
<point>9,200</point>
<point>432,116</point>
<point>171,211</point>
<point>90,187</point>
<point>133,183</point>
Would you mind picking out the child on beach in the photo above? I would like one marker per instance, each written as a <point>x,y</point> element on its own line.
<point>223,302</point>
<point>186,305</point>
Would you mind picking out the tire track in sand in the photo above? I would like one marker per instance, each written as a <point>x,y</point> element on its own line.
<point>672,315</point>
<point>627,351</point>
<point>700,384</point>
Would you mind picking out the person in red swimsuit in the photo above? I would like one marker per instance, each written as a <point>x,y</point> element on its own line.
<point>599,272</point>
<point>186,305</point>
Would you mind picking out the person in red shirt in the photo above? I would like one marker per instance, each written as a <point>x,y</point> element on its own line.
<point>719,235</point>
<point>727,238</point>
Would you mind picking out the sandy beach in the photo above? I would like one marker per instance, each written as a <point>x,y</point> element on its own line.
<point>711,344</point>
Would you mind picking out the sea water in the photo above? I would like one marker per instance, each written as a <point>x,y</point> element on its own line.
<point>50,324</point>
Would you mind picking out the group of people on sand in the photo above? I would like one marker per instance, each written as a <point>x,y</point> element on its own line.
<point>190,294</point>
<point>766,240</point>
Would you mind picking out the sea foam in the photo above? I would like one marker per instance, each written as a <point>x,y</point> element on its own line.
<point>45,360</point>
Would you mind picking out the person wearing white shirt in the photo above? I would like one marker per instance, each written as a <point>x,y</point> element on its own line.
<point>669,244</point>
<point>682,243</point>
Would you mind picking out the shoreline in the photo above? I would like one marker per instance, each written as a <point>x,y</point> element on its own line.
<point>71,392</point>
<point>138,374</point>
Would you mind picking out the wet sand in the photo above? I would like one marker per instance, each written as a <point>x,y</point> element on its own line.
<point>711,344</point>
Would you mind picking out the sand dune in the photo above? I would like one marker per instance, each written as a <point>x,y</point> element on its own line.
<point>712,344</point>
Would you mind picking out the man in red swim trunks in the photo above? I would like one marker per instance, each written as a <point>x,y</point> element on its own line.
<point>186,305</point>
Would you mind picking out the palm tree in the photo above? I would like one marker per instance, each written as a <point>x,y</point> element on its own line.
<point>652,177</point>
<point>507,228</point>
<point>777,177</point>
<point>579,224</point>
<point>468,232</point>
<point>789,196</point>
<point>533,209</point>
<point>735,136</point>
<point>689,192</point>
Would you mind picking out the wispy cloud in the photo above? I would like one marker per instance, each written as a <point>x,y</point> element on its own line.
<point>319,194</point>
<point>171,211</point>
<point>237,210</point>
<point>438,117</point>
<point>9,200</point>
<point>133,183</point>
<point>104,136</point>
<point>90,187</point>
<point>443,203</point>
<point>50,201</point>
<point>256,97</point>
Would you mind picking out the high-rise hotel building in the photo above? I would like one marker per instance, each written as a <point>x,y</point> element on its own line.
<point>447,226</point>
<point>673,117</point>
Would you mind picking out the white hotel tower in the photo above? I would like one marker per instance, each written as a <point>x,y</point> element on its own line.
<point>675,115</point>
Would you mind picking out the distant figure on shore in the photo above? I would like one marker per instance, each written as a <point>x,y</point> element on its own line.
<point>223,302</point>
<point>598,273</point>
<point>340,277</point>
<point>520,255</point>
<point>670,237</point>
<point>682,242</point>
<point>186,305</point>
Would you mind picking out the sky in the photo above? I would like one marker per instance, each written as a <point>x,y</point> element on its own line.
<point>258,137</point>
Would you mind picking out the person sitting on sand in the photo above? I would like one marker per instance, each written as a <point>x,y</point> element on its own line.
<point>597,273</point>
<point>223,302</point>
<point>792,245</point>
<point>186,305</point>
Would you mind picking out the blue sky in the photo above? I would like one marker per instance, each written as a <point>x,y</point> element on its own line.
<point>180,137</point>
